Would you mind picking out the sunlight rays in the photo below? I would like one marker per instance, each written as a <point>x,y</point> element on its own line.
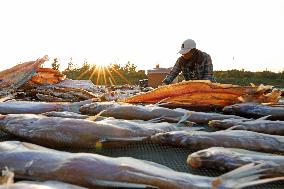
<point>104,74</point>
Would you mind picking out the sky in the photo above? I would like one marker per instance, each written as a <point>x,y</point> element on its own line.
<point>238,34</point>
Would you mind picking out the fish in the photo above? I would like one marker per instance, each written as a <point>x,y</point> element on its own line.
<point>259,125</point>
<point>16,76</point>
<point>205,94</point>
<point>32,107</point>
<point>86,85</point>
<point>148,112</point>
<point>69,132</point>
<point>198,140</point>
<point>40,185</point>
<point>255,110</point>
<point>29,161</point>
<point>227,159</point>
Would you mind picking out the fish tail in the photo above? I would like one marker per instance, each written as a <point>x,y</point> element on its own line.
<point>247,175</point>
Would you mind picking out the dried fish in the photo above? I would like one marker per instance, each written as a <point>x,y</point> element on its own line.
<point>231,139</point>
<point>30,161</point>
<point>40,185</point>
<point>67,132</point>
<point>26,107</point>
<point>259,125</point>
<point>148,112</point>
<point>204,94</point>
<point>47,76</point>
<point>232,158</point>
<point>16,76</point>
<point>254,110</point>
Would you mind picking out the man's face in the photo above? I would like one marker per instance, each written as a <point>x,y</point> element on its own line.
<point>188,55</point>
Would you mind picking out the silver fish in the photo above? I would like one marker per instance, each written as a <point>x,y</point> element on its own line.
<point>40,185</point>
<point>148,112</point>
<point>232,139</point>
<point>259,125</point>
<point>253,110</point>
<point>30,161</point>
<point>26,107</point>
<point>232,158</point>
<point>62,132</point>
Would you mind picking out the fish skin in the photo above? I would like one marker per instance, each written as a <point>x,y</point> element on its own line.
<point>40,185</point>
<point>232,158</point>
<point>259,125</point>
<point>254,110</point>
<point>16,76</point>
<point>25,107</point>
<point>208,95</point>
<point>70,132</point>
<point>29,162</point>
<point>148,112</point>
<point>231,139</point>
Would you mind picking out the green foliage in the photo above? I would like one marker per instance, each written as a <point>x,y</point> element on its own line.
<point>242,77</point>
<point>55,64</point>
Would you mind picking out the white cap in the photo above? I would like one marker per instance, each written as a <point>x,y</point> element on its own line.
<point>187,45</point>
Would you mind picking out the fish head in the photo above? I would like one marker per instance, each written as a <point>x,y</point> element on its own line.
<point>216,157</point>
<point>239,108</point>
<point>95,108</point>
<point>225,123</point>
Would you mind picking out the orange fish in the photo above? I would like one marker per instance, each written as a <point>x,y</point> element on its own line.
<point>47,76</point>
<point>203,93</point>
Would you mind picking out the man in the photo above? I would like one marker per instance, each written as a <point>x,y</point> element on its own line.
<point>194,64</point>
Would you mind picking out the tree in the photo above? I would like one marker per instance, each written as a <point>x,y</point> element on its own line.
<point>55,64</point>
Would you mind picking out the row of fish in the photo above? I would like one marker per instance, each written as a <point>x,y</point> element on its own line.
<point>29,161</point>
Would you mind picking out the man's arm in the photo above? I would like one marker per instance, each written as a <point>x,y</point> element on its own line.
<point>173,73</point>
<point>208,69</point>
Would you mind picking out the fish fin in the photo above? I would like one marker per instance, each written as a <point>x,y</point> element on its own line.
<point>96,117</point>
<point>160,102</point>
<point>244,176</point>
<point>233,127</point>
<point>184,117</point>
<point>264,117</point>
<point>115,184</point>
<point>7,176</point>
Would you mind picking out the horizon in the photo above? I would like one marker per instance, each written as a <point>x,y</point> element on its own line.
<point>236,34</point>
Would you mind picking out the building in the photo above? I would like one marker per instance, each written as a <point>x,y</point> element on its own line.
<point>157,75</point>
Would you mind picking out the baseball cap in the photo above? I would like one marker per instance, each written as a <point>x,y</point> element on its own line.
<point>187,45</point>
